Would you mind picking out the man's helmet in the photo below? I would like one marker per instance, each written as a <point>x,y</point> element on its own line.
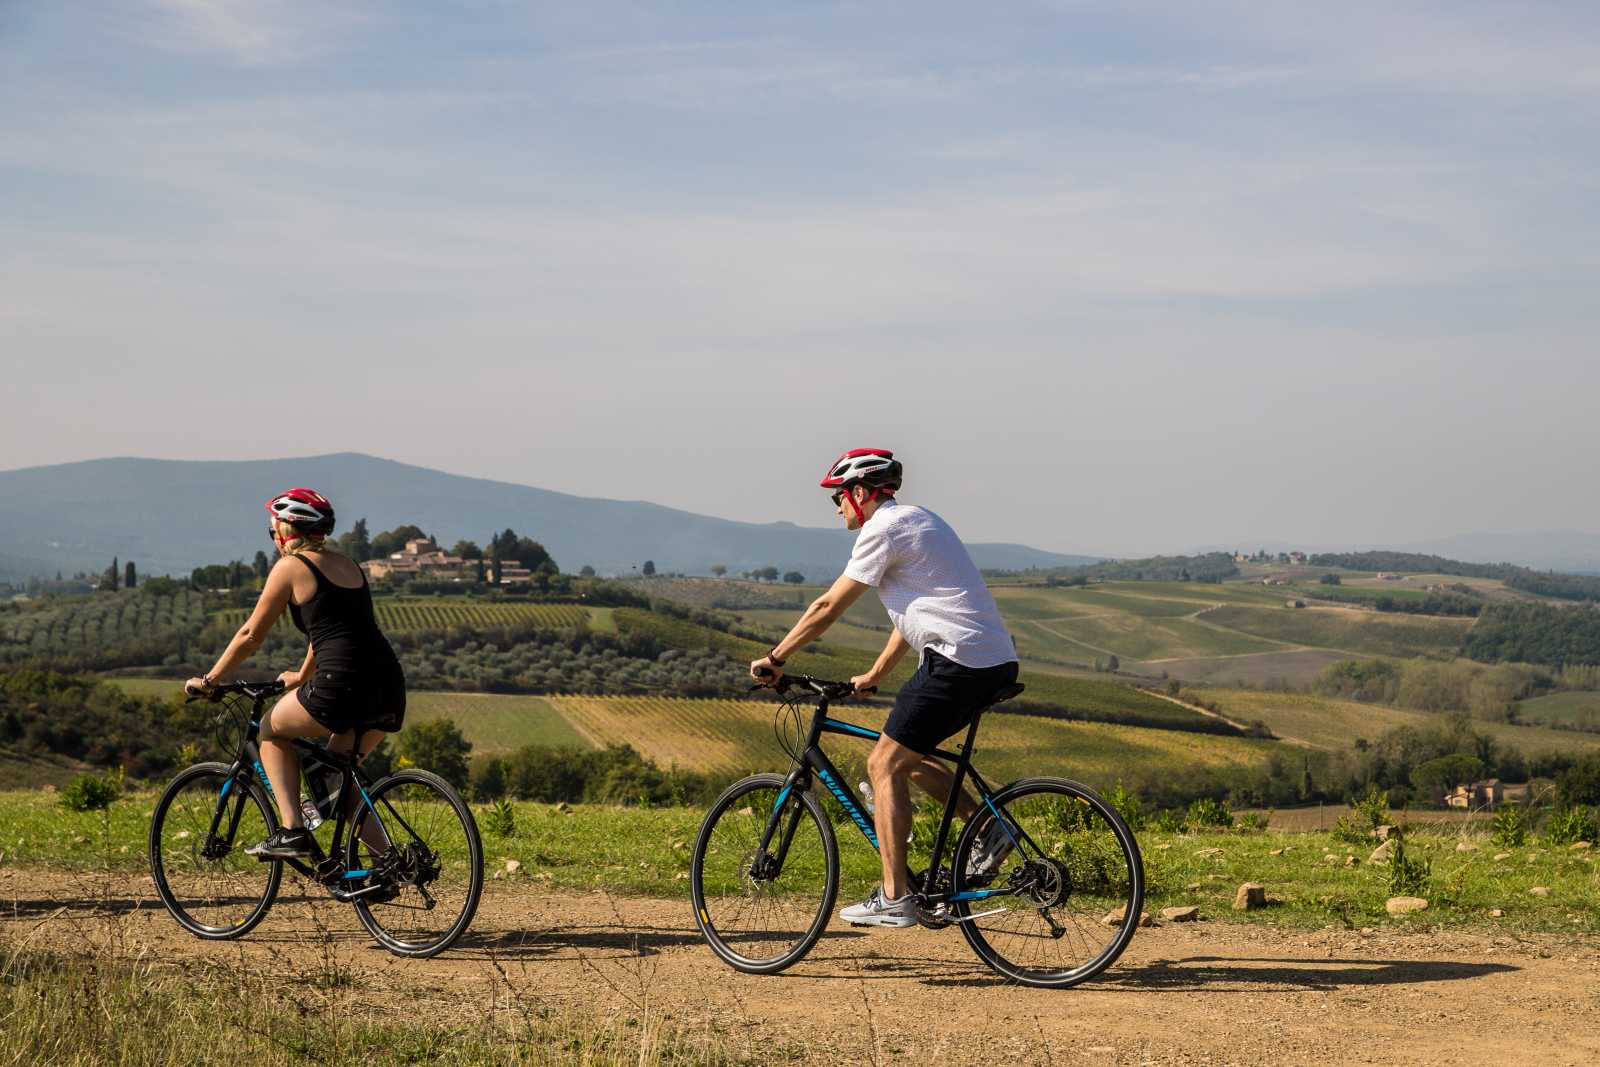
<point>305,509</point>
<point>875,468</point>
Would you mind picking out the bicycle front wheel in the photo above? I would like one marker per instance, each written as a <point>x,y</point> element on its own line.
<point>762,908</point>
<point>203,877</point>
<point>1061,906</point>
<point>422,853</point>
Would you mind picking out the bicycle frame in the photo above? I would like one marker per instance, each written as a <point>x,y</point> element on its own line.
<point>328,869</point>
<point>814,760</point>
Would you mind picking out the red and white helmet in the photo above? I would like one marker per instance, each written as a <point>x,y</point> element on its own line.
<point>305,509</point>
<point>875,468</point>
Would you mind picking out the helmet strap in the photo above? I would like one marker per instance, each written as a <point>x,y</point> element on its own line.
<point>849,494</point>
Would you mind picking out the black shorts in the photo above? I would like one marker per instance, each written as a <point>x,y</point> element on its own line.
<point>344,700</point>
<point>941,698</point>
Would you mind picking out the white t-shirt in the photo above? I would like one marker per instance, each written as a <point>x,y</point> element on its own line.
<point>929,586</point>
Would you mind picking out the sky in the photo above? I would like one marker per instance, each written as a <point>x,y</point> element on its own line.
<point>1117,277</point>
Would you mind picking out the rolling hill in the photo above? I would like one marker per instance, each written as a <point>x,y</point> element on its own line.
<point>172,515</point>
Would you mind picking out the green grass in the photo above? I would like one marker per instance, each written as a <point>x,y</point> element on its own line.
<point>1133,637</point>
<point>496,723</point>
<point>149,688</point>
<point>1574,708</point>
<point>1330,723</point>
<point>646,851</point>
<point>1350,630</point>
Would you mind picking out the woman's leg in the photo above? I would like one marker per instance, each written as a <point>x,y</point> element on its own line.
<point>371,833</point>
<point>279,727</point>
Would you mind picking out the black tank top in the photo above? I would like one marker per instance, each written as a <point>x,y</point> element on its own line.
<point>341,625</point>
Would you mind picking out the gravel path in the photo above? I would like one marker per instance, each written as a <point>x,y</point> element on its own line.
<point>1206,993</point>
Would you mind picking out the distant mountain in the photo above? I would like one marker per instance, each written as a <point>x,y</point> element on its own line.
<point>170,516</point>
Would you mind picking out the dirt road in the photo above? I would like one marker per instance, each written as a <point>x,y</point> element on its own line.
<point>1206,993</point>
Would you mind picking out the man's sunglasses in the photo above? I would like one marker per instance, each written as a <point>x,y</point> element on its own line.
<point>838,495</point>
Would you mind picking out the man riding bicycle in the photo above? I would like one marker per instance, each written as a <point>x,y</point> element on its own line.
<point>940,608</point>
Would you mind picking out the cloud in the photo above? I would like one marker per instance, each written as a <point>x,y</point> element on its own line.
<point>251,32</point>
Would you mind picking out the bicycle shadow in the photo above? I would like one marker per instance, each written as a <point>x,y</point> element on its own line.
<point>21,908</point>
<point>1221,974</point>
<point>573,942</point>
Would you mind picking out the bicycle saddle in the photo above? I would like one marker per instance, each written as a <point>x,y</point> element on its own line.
<point>1004,693</point>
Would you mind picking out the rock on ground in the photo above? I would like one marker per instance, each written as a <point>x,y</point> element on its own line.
<point>1404,905</point>
<point>1250,895</point>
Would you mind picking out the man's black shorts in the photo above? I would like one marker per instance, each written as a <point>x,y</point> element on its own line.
<point>940,699</point>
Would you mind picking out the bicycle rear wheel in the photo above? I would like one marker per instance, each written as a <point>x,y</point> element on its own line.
<point>759,917</point>
<point>206,881</point>
<point>430,868</point>
<point>1066,899</point>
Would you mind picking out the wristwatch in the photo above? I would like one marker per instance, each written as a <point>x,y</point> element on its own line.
<point>773,656</point>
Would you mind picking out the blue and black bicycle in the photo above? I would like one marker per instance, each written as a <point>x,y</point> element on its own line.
<point>1042,881</point>
<point>412,864</point>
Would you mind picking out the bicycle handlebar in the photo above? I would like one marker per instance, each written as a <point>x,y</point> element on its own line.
<point>819,686</point>
<point>253,690</point>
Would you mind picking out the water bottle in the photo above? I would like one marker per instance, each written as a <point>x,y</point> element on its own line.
<point>309,812</point>
<point>323,780</point>
<point>866,797</point>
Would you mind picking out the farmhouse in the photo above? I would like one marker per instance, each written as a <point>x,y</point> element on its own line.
<point>421,558</point>
<point>1484,794</point>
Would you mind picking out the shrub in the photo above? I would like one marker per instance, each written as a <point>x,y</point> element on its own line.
<point>1254,820</point>
<point>1407,876</point>
<point>1510,826</point>
<point>1127,805</point>
<point>500,819</point>
<point>1569,824</point>
<point>1366,814</point>
<point>1580,783</point>
<point>437,746</point>
<point>88,792</point>
<point>1210,813</point>
<point>1171,821</point>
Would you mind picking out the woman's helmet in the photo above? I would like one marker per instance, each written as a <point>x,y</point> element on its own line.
<point>305,509</point>
<point>875,468</point>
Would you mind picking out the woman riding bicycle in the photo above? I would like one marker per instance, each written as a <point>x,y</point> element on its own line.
<point>350,686</point>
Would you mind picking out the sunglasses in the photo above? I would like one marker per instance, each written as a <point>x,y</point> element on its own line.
<point>838,495</point>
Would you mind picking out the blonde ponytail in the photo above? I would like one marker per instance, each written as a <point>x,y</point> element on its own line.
<point>298,541</point>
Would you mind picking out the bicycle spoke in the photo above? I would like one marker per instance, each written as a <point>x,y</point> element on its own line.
<point>755,913</point>
<point>213,894</point>
<point>1055,928</point>
<point>431,867</point>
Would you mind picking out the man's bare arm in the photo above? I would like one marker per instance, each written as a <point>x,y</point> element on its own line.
<point>823,613</point>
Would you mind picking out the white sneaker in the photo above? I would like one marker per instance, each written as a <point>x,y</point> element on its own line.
<point>877,910</point>
<point>989,851</point>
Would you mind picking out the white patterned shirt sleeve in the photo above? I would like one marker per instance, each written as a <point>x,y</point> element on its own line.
<point>872,556</point>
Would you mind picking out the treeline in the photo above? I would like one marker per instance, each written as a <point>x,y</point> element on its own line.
<point>1210,567</point>
<point>1435,603</point>
<point>526,659</point>
<point>1489,693</point>
<point>86,719</point>
<point>1524,579</point>
<point>1535,633</point>
<point>613,775</point>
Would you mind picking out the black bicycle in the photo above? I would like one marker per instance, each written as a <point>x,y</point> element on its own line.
<point>412,863</point>
<point>1049,910</point>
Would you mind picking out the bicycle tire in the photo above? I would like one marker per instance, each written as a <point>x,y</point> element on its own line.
<point>735,892</point>
<point>1082,835</point>
<point>464,859</point>
<point>183,849</point>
